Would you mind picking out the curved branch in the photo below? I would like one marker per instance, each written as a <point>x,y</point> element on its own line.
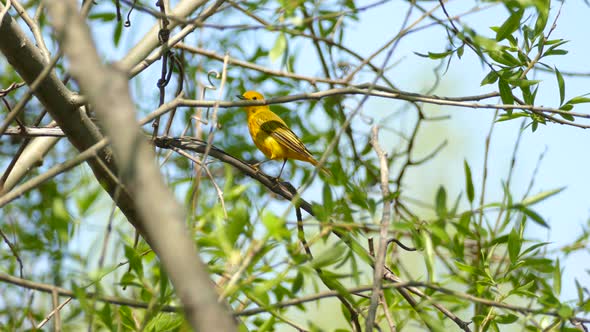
<point>284,189</point>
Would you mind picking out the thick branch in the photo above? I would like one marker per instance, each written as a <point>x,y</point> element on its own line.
<point>160,217</point>
<point>284,189</point>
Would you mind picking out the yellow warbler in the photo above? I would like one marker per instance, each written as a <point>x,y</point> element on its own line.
<point>272,136</point>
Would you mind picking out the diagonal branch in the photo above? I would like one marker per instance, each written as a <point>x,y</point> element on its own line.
<point>107,90</point>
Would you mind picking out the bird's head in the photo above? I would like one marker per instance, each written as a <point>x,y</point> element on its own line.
<point>251,95</point>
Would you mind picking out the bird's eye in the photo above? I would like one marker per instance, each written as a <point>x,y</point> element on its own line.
<point>254,98</point>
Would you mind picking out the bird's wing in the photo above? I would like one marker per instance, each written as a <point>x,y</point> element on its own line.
<point>285,136</point>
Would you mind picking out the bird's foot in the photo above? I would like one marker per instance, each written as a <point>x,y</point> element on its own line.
<point>256,167</point>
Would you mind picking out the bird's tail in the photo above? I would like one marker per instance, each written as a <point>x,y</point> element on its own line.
<point>323,169</point>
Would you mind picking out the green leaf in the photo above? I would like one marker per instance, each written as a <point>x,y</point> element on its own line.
<point>429,256</point>
<point>279,48</point>
<point>567,117</point>
<point>319,211</point>
<point>441,202</point>
<point>499,240</point>
<point>135,262</point>
<point>543,11</point>
<point>297,283</point>
<point>328,257</point>
<point>328,201</point>
<point>435,56</point>
<point>163,281</point>
<point>506,319</point>
<point>104,17</point>
<point>59,209</point>
<point>127,279</point>
<point>237,224</point>
<point>505,92</point>
<point>460,51</point>
<point>127,318</point>
<point>529,98</point>
<point>541,196</point>
<point>556,42</point>
<point>522,289</point>
<point>561,84</point>
<point>86,200</point>
<point>533,247</point>
<point>504,57</point>
<point>510,25</point>
<point>275,226</point>
<point>567,107</point>
<point>557,278</point>
<point>164,322</point>
<point>531,214</point>
<point>117,33</point>
<point>579,100</point>
<point>555,52</point>
<point>463,225</point>
<point>465,267</point>
<point>330,280</point>
<point>524,83</point>
<point>565,311</point>
<point>106,316</point>
<point>442,55</point>
<point>580,291</point>
<point>490,78</point>
<point>468,182</point>
<point>510,116</point>
<point>262,290</point>
<point>544,265</point>
<point>514,245</point>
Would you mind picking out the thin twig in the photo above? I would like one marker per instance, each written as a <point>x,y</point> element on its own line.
<point>5,10</point>
<point>388,317</point>
<point>34,27</point>
<point>373,90</point>
<point>249,65</point>
<point>385,220</point>
<point>58,169</point>
<point>64,292</point>
<point>14,252</point>
<point>29,94</point>
<point>213,126</point>
<point>55,311</point>
<point>209,175</point>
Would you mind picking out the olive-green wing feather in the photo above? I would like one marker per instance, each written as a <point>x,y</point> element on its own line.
<point>285,136</point>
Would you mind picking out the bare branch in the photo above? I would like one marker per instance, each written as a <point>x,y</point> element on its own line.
<point>385,220</point>
<point>64,292</point>
<point>35,132</point>
<point>107,91</point>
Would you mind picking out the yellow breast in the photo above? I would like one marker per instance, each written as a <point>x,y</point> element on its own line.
<point>264,142</point>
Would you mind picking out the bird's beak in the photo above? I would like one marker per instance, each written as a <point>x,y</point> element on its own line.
<point>240,97</point>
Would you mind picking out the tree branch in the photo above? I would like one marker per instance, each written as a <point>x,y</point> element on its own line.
<point>107,90</point>
<point>385,220</point>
